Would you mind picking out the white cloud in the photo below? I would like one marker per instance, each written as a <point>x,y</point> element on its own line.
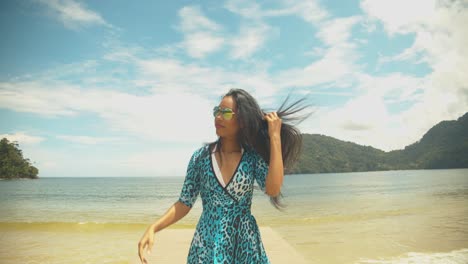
<point>245,8</point>
<point>88,140</point>
<point>209,82</point>
<point>366,118</point>
<point>22,138</point>
<point>310,11</point>
<point>200,44</point>
<point>59,91</point>
<point>172,116</point>
<point>332,68</point>
<point>393,87</point>
<point>176,117</point>
<point>123,55</point>
<point>73,14</point>
<point>255,31</point>
<point>337,64</point>
<point>365,112</point>
<point>363,120</point>
<point>250,39</point>
<point>441,42</point>
<point>401,16</point>
<point>33,97</point>
<point>202,36</point>
<point>192,19</point>
<point>337,31</point>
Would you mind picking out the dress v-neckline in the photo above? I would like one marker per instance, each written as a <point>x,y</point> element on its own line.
<point>217,170</point>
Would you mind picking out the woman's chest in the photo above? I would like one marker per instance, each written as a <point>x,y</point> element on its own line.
<point>239,186</point>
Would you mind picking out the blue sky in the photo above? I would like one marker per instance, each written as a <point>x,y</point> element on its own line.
<point>119,88</point>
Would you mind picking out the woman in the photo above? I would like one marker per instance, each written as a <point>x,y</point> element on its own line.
<point>252,146</point>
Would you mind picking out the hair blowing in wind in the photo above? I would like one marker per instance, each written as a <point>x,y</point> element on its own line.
<point>254,132</point>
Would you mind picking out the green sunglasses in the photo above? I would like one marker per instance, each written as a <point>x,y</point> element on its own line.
<point>226,113</point>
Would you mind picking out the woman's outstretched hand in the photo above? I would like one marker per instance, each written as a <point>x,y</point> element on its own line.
<point>274,124</point>
<point>146,242</point>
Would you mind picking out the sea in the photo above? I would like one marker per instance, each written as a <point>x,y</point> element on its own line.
<point>408,216</point>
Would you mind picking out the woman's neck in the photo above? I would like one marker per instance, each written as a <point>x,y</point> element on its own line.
<point>230,145</point>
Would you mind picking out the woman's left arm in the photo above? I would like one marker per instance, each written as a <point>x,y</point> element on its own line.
<point>274,179</point>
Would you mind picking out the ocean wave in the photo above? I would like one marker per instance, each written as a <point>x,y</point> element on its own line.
<point>459,256</point>
<point>358,216</point>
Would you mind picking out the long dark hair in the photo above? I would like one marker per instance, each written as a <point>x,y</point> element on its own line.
<point>254,129</point>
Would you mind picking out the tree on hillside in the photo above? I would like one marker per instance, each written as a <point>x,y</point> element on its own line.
<point>12,163</point>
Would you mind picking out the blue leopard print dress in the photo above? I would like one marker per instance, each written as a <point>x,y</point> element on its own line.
<point>226,232</point>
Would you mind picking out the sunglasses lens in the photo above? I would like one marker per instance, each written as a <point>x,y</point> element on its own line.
<point>215,111</point>
<point>227,115</point>
<point>226,112</point>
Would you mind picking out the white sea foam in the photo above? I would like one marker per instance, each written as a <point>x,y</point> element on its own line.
<point>459,256</point>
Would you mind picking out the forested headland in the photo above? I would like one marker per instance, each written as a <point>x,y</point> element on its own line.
<point>12,163</point>
<point>443,146</point>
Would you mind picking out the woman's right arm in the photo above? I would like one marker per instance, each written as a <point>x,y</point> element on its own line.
<point>174,214</point>
<point>187,198</point>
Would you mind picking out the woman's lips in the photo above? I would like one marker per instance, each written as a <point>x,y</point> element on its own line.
<point>218,126</point>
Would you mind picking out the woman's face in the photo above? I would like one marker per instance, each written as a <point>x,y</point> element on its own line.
<point>227,128</point>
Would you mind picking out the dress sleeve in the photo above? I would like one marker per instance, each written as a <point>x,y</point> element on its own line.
<point>191,187</point>
<point>261,171</point>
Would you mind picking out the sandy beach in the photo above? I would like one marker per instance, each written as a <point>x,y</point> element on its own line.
<point>357,218</point>
<point>171,246</point>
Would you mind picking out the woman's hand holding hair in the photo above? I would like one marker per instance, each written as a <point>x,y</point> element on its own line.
<point>274,124</point>
<point>274,179</point>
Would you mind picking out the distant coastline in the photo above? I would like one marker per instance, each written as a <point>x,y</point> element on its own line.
<point>444,146</point>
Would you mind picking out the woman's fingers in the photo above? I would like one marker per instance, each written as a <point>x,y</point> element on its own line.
<point>146,243</point>
<point>274,123</point>
<point>271,116</point>
<point>150,246</point>
<point>141,249</point>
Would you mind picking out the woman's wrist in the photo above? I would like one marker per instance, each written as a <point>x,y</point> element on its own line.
<point>154,227</point>
<point>275,138</point>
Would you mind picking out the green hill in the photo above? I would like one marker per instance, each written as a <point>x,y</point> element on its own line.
<point>444,146</point>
